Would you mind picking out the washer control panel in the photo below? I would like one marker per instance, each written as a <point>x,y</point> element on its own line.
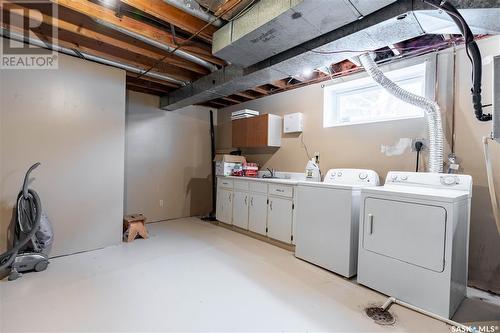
<point>427,179</point>
<point>352,177</point>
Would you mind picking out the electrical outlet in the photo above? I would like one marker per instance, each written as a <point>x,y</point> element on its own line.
<point>316,156</point>
<point>413,141</point>
<point>161,203</point>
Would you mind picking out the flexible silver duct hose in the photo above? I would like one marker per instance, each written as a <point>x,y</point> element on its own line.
<point>432,110</point>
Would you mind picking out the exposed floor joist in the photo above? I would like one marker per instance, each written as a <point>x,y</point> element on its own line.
<point>392,24</point>
<point>173,15</point>
<point>161,36</point>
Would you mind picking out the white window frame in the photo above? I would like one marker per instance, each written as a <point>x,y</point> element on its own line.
<point>361,82</point>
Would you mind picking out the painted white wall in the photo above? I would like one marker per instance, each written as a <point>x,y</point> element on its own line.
<point>72,120</point>
<point>167,159</point>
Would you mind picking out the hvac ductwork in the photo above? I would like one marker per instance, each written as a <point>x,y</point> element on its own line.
<point>273,26</point>
<point>23,39</point>
<point>397,22</point>
<point>431,108</point>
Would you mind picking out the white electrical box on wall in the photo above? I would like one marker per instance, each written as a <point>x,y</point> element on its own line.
<point>293,122</point>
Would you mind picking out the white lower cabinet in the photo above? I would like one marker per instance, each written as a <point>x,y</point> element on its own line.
<point>257,214</point>
<point>240,209</point>
<point>224,205</point>
<point>266,209</point>
<point>279,219</point>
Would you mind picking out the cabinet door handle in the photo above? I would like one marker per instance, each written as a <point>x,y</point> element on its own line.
<point>246,200</point>
<point>251,201</point>
<point>280,190</point>
<point>229,197</point>
<point>271,205</point>
<point>370,224</point>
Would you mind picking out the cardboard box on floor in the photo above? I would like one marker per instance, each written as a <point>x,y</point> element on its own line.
<point>225,163</point>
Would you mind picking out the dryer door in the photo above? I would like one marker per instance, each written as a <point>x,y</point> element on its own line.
<point>406,231</point>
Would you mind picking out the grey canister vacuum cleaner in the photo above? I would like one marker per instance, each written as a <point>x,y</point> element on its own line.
<point>33,236</point>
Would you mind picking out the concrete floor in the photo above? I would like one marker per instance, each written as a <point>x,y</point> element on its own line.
<point>193,276</point>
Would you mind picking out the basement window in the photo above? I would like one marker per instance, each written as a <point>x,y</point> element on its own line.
<point>360,100</point>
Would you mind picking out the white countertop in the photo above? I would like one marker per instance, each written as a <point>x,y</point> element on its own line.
<point>289,178</point>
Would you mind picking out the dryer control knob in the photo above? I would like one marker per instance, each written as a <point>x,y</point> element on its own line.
<point>449,180</point>
<point>404,177</point>
<point>394,178</point>
<point>339,174</point>
<point>363,175</point>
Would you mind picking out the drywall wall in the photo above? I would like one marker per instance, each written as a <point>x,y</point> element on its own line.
<point>72,120</point>
<point>484,261</point>
<point>353,146</point>
<point>358,146</point>
<point>168,168</point>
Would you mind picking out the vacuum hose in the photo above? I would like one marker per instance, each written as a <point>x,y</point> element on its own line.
<point>28,215</point>
<point>431,108</point>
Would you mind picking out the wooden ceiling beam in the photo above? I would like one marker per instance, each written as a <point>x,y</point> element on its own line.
<point>152,79</point>
<point>231,99</point>
<point>102,38</point>
<point>107,15</point>
<point>155,89</point>
<point>261,90</point>
<point>210,105</point>
<point>103,51</point>
<point>217,102</point>
<point>143,90</point>
<point>245,95</point>
<point>175,16</point>
<point>281,84</point>
<point>133,80</point>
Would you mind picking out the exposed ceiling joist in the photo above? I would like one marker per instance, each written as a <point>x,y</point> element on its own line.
<point>219,104</point>
<point>231,99</point>
<point>246,95</point>
<point>88,46</point>
<point>175,16</point>
<point>260,90</point>
<point>82,31</point>
<point>108,16</point>
<point>155,89</point>
<point>143,90</point>
<point>392,24</point>
<point>151,79</point>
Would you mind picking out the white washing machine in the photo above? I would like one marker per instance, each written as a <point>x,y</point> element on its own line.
<point>326,227</point>
<point>414,239</point>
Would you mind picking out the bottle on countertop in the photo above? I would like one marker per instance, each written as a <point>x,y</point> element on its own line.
<point>312,171</point>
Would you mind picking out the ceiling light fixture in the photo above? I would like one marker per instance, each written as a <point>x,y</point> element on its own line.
<point>306,71</point>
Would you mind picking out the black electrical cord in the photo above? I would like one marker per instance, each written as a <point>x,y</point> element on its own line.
<point>418,147</point>
<point>472,52</point>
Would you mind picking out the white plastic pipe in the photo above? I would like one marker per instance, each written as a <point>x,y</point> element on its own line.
<point>432,110</point>
<point>393,300</point>
<point>491,182</point>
